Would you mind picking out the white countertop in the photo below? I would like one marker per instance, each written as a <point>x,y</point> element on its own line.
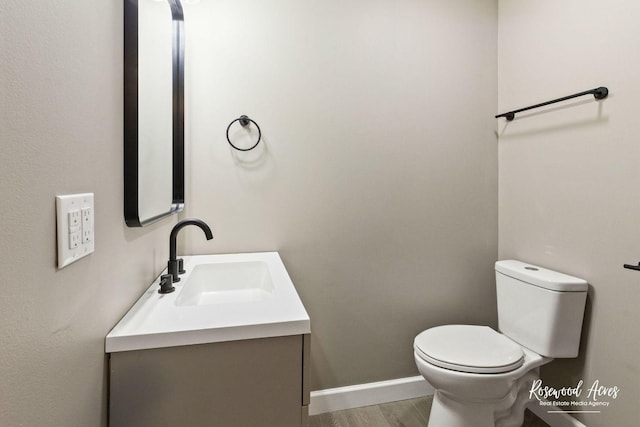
<point>156,320</point>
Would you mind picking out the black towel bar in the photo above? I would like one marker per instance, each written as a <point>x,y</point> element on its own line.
<point>598,93</point>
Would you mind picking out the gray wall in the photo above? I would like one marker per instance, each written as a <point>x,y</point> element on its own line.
<point>377,176</point>
<point>60,133</point>
<point>569,178</point>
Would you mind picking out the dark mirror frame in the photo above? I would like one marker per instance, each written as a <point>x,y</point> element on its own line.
<point>131,166</point>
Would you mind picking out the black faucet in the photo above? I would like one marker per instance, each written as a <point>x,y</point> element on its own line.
<point>174,265</point>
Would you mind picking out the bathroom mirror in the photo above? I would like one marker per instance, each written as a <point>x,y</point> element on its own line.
<point>153,110</point>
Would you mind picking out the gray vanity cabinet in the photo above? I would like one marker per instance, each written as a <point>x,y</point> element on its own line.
<point>250,383</point>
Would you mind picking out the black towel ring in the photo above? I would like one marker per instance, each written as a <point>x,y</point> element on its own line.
<point>244,121</point>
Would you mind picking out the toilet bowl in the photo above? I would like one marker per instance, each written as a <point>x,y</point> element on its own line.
<point>469,372</point>
<point>481,376</point>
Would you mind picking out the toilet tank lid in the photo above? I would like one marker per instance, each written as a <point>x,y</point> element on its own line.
<point>542,277</point>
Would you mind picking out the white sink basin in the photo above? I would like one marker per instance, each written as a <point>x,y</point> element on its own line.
<point>220,298</point>
<point>227,283</point>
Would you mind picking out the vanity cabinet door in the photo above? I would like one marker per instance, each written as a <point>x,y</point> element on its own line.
<point>231,384</point>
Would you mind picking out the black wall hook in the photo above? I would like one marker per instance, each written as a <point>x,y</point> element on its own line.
<point>633,267</point>
<point>244,122</point>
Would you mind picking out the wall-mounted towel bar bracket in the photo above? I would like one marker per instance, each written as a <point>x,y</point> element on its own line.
<point>633,267</point>
<point>598,93</point>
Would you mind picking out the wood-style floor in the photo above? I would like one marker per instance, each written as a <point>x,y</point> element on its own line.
<point>406,413</point>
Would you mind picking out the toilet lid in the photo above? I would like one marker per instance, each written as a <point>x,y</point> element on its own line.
<point>468,348</point>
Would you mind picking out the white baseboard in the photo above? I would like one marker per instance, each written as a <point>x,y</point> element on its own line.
<point>356,396</point>
<point>555,419</point>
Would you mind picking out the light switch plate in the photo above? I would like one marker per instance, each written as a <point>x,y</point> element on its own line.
<point>75,227</point>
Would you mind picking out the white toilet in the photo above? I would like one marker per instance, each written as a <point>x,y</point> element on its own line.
<point>482,377</point>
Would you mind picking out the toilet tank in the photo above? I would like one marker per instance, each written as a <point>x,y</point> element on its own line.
<point>540,309</point>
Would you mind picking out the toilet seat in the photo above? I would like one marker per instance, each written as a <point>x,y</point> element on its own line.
<point>468,348</point>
